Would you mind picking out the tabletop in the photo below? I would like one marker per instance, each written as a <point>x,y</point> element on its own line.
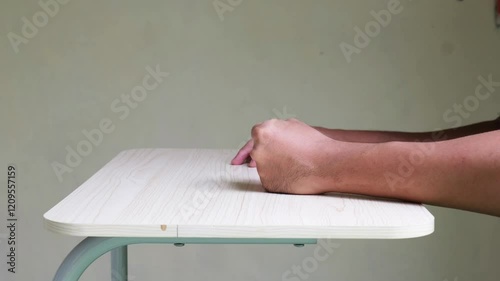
<point>197,193</point>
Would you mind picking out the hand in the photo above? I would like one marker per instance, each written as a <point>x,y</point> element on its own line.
<point>289,156</point>
<point>243,155</point>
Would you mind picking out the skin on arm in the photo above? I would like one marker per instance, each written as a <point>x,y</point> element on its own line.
<point>463,173</point>
<point>385,136</point>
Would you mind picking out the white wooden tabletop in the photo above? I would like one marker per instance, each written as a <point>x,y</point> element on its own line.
<point>197,193</point>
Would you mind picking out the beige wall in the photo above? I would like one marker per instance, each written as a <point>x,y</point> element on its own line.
<point>227,73</point>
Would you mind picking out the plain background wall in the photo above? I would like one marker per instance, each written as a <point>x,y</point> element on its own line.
<point>225,75</point>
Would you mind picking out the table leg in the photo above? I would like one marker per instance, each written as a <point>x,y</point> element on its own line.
<point>84,254</point>
<point>119,264</point>
<point>91,248</point>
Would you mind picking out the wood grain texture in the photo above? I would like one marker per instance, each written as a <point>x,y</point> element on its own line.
<point>197,193</point>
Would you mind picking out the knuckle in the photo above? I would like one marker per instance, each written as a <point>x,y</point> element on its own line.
<point>255,130</point>
<point>270,122</point>
<point>260,131</point>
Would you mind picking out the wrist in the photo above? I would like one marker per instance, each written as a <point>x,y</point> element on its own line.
<point>343,165</point>
<point>379,169</point>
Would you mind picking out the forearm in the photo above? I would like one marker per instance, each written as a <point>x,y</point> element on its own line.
<point>364,136</point>
<point>463,173</point>
<point>386,136</point>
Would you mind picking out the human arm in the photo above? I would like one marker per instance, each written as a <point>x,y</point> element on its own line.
<point>463,173</point>
<point>385,136</point>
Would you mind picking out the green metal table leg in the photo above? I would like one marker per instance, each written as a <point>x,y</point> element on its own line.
<point>83,255</point>
<point>119,264</point>
<point>92,248</point>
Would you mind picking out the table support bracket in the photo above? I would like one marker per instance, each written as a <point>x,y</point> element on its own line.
<point>91,248</point>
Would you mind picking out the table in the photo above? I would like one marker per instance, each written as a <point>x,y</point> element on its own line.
<point>183,196</point>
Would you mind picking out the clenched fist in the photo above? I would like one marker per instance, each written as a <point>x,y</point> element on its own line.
<point>290,156</point>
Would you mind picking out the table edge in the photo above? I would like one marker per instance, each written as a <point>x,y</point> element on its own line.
<point>250,231</point>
